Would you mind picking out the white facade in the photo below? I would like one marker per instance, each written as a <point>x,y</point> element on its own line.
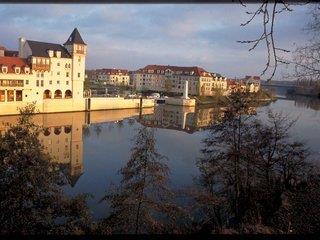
<point>172,79</point>
<point>47,71</point>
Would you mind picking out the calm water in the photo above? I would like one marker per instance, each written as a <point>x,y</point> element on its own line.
<point>93,147</point>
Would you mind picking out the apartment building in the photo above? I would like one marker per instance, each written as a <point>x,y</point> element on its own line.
<point>171,79</point>
<point>41,72</point>
<point>115,77</point>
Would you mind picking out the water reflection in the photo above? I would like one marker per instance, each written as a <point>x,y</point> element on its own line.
<point>305,102</point>
<point>103,140</point>
<point>63,133</point>
<point>187,119</point>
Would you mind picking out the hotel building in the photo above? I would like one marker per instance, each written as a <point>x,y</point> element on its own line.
<point>49,74</point>
<point>172,79</point>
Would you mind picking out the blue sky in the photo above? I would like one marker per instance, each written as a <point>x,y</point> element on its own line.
<point>133,35</point>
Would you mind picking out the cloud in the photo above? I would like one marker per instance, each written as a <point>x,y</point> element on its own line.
<point>131,36</point>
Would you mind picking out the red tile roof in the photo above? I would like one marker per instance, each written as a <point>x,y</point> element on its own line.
<point>197,71</point>
<point>113,71</point>
<point>12,62</point>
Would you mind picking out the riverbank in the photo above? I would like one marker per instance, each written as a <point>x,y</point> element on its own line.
<point>260,96</point>
<point>76,105</point>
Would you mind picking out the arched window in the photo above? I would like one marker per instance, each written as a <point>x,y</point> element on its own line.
<point>47,94</point>
<point>57,94</point>
<point>47,132</point>
<point>57,130</point>
<point>67,129</point>
<point>68,94</point>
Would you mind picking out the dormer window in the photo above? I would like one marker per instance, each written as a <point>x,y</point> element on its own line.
<point>17,70</point>
<point>26,70</point>
<point>4,69</point>
<point>58,54</point>
<point>50,52</point>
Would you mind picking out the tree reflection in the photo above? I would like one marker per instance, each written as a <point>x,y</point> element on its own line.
<point>143,202</point>
<point>32,201</point>
<point>98,129</point>
<point>86,130</point>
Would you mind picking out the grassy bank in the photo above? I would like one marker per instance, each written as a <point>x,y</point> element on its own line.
<point>219,100</point>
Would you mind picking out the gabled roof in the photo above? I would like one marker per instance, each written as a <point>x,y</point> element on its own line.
<point>40,49</point>
<point>12,62</point>
<point>75,37</point>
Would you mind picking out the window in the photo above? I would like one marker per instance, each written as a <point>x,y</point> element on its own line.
<point>58,94</point>
<point>57,130</point>
<point>41,83</point>
<point>38,75</point>
<point>58,73</point>
<point>27,82</point>
<point>42,74</point>
<point>78,74</point>
<point>68,94</point>
<point>46,94</point>
<point>10,95</point>
<point>4,69</point>
<point>58,82</point>
<point>37,83</point>
<point>17,70</point>
<point>67,82</point>
<point>50,82</point>
<point>67,74</point>
<point>79,59</point>
<point>58,64</point>
<point>2,95</point>
<point>19,95</point>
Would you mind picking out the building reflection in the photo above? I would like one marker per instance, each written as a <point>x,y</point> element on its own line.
<point>62,135</point>
<point>187,119</point>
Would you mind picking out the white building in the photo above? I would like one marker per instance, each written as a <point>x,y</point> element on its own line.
<point>49,74</point>
<point>172,79</point>
<point>115,77</point>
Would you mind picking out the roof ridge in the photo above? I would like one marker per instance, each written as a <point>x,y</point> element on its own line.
<point>45,42</point>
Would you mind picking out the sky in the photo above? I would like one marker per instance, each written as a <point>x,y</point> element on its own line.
<point>131,36</point>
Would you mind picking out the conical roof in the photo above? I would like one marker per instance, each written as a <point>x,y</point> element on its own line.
<point>75,37</point>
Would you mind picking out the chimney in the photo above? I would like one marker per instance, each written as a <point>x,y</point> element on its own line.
<point>22,41</point>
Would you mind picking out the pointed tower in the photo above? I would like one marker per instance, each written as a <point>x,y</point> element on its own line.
<point>78,50</point>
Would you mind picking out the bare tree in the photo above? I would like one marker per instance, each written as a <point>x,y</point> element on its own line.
<point>247,168</point>
<point>306,59</point>
<point>268,12</point>
<point>143,202</point>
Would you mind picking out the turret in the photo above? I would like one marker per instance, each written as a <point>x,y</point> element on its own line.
<point>78,50</point>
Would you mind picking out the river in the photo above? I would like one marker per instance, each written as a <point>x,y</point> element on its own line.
<point>92,147</point>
